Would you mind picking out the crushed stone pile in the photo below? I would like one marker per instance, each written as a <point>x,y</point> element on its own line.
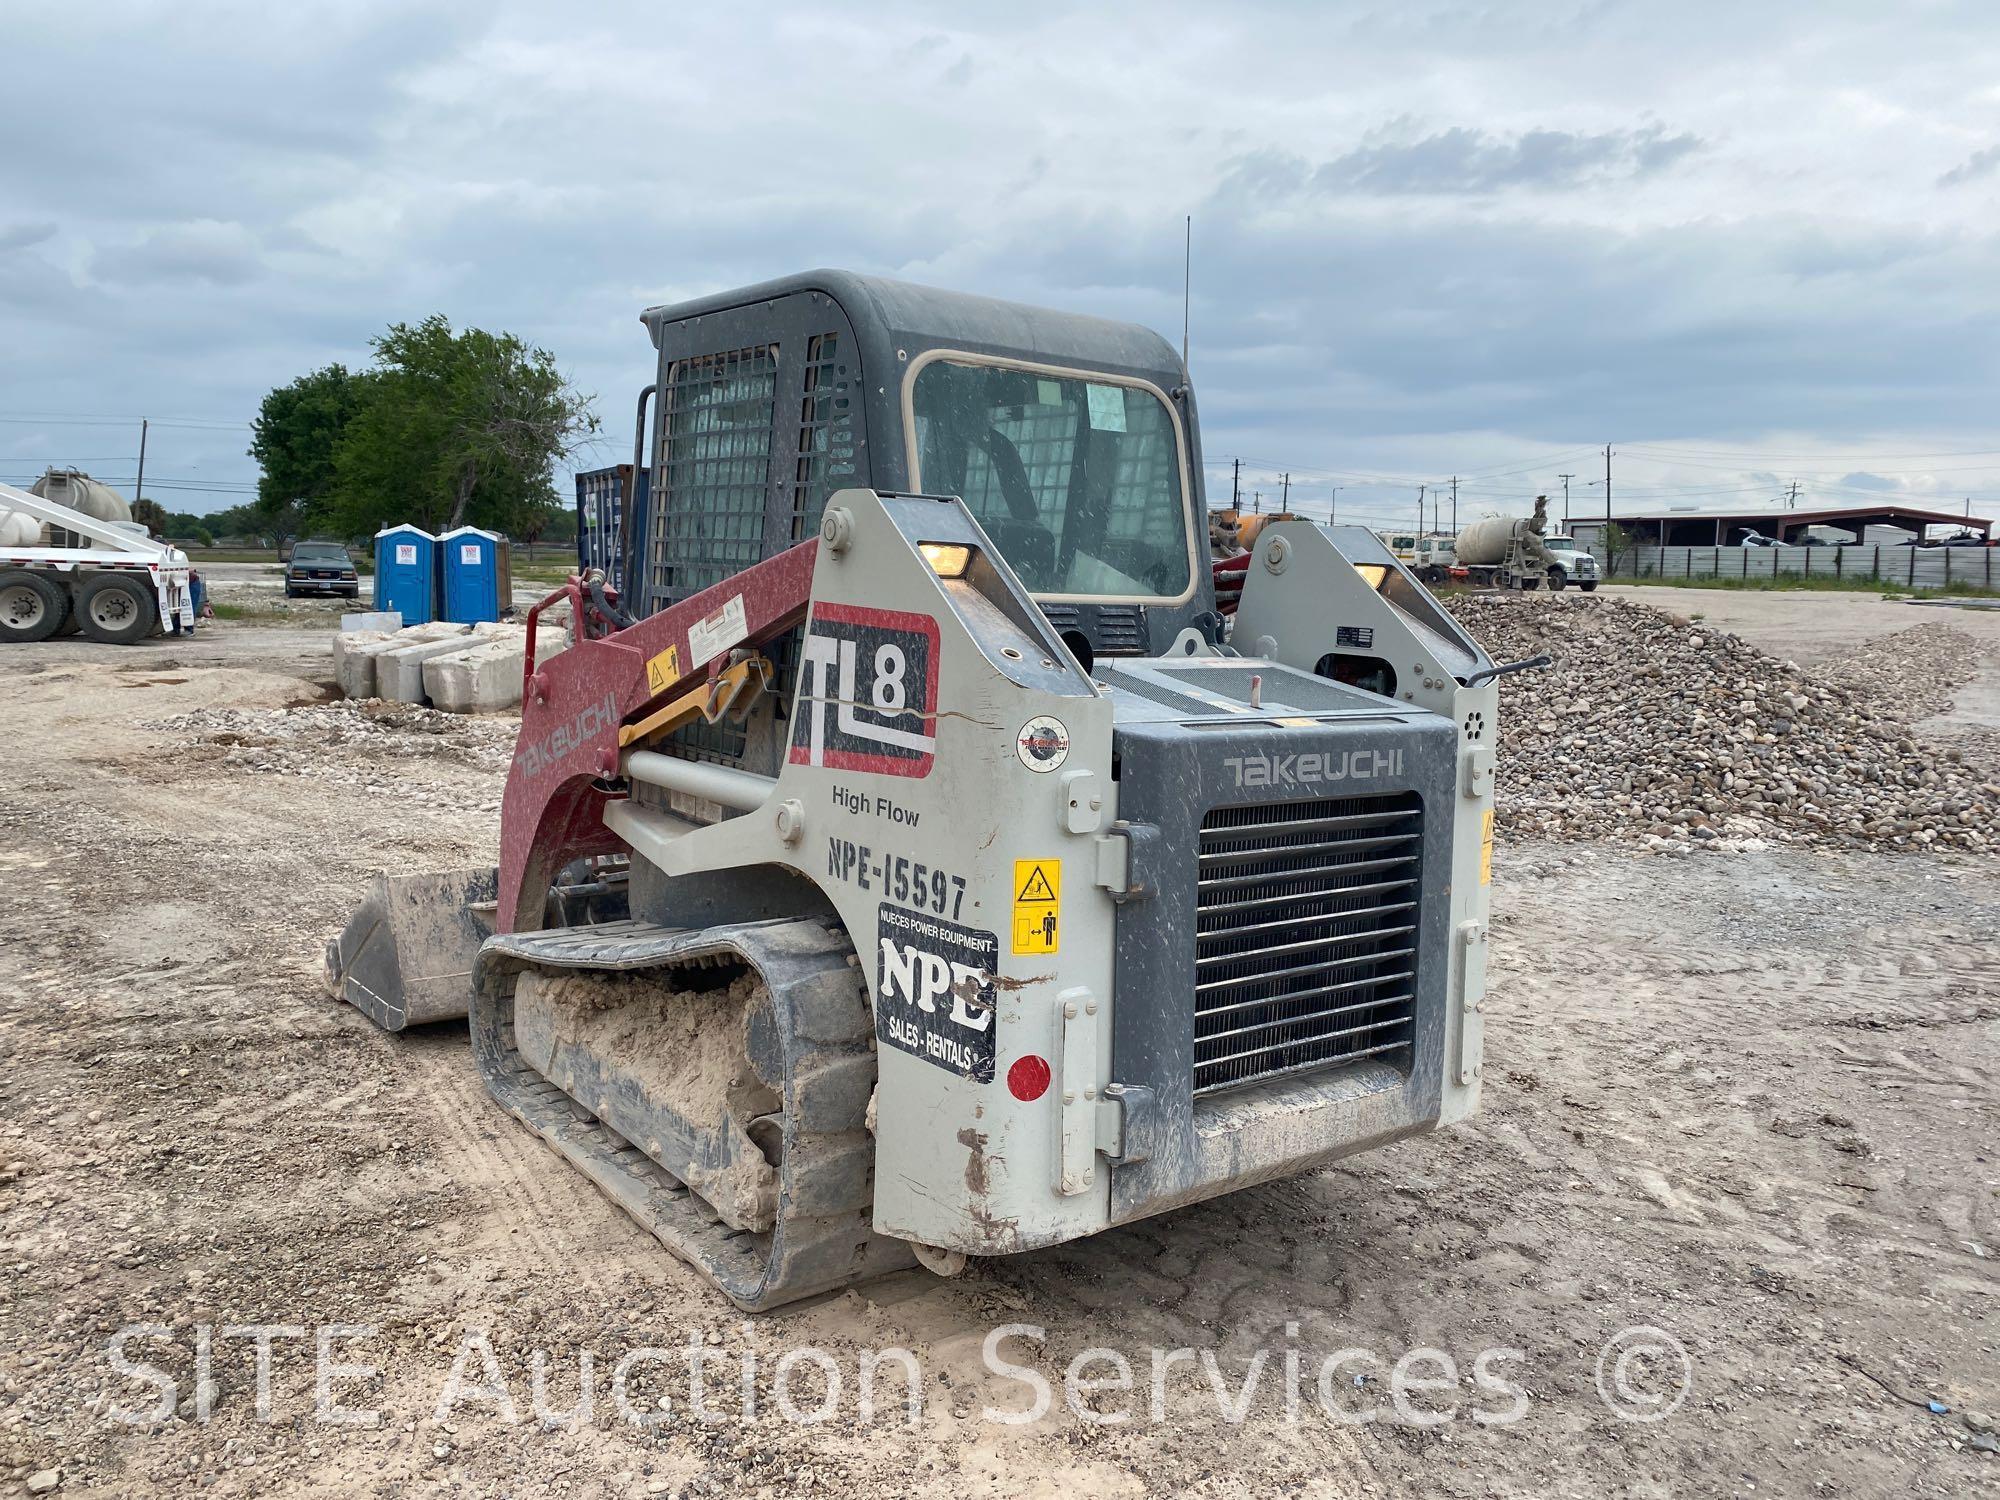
<point>1652,726</point>
<point>393,748</point>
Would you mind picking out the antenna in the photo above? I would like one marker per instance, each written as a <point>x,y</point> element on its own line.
<point>1187,284</point>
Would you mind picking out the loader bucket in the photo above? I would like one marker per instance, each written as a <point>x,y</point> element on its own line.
<point>406,954</point>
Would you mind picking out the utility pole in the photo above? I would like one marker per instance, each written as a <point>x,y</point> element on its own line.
<point>1256,502</point>
<point>1187,286</point>
<point>139,489</point>
<point>1565,478</point>
<point>1454,505</point>
<point>1334,508</point>
<point>1608,554</point>
<point>1236,486</point>
<point>1285,503</point>
<point>1420,506</point>
<point>1792,496</point>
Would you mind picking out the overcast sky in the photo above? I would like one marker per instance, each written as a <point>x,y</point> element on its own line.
<point>1743,243</point>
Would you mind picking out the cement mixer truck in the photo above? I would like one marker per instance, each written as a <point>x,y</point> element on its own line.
<point>83,567</point>
<point>1515,553</point>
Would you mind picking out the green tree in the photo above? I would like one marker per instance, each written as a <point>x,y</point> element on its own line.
<point>150,514</point>
<point>238,520</point>
<point>1617,542</point>
<point>558,524</point>
<point>456,429</point>
<point>294,439</point>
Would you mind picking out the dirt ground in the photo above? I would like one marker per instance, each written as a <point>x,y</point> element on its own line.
<point>1752,1103</point>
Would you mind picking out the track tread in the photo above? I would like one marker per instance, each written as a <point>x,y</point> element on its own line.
<point>823,1238</point>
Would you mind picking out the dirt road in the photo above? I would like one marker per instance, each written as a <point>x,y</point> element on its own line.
<point>1749,1102</point>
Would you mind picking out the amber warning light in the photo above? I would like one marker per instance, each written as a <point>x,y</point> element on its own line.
<point>947,559</point>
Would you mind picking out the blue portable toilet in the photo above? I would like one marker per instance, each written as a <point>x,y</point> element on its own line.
<point>475,568</point>
<point>406,573</point>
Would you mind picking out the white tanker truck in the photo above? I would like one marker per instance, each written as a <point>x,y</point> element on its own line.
<point>72,559</point>
<point>1509,552</point>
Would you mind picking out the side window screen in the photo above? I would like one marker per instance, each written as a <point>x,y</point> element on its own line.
<point>828,459</point>
<point>1077,481</point>
<point>715,467</point>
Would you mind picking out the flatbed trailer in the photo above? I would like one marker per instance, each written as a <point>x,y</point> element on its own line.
<point>123,588</point>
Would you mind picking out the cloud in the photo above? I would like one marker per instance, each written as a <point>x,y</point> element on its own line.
<point>224,255</point>
<point>1465,160</point>
<point>1423,235</point>
<point>1979,164</point>
<point>24,236</point>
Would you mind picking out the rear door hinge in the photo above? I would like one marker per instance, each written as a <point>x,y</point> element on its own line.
<point>1127,860</point>
<point>1121,1120</point>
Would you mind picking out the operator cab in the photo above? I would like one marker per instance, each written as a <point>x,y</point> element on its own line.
<point>1071,439</point>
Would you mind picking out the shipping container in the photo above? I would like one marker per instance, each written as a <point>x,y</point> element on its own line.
<point>604,539</point>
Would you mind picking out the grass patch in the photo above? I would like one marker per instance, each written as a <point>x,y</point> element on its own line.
<point>544,575</point>
<point>251,614</point>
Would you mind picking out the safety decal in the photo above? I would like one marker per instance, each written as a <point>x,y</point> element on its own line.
<point>709,638</point>
<point>1037,905</point>
<point>934,988</point>
<point>663,671</point>
<point>1043,743</point>
<point>867,698</point>
<point>1486,847</point>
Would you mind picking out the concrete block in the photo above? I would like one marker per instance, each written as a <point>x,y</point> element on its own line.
<point>487,676</point>
<point>354,664</point>
<point>399,671</point>
<point>372,619</point>
<point>354,640</point>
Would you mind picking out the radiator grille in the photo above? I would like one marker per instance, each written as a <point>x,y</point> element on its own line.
<point>1306,936</point>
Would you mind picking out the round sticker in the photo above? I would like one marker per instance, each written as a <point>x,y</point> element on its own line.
<point>1043,743</point>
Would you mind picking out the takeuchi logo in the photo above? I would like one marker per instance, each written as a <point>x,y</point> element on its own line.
<point>1314,767</point>
<point>588,723</point>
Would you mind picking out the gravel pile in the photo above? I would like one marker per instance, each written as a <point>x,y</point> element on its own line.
<point>1650,726</point>
<point>1917,670</point>
<point>400,749</point>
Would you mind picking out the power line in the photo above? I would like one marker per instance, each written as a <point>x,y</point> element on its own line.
<point>1736,453</point>
<point>1749,464</point>
<point>123,422</point>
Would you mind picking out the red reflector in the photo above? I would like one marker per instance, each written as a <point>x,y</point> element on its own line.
<point>1028,1079</point>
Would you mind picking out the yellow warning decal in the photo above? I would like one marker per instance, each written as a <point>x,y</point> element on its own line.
<point>1037,905</point>
<point>663,671</point>
<point>1486,847</point>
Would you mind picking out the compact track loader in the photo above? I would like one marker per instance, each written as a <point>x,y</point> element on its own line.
<point>910,861</point>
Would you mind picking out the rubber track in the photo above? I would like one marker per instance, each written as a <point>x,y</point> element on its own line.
<point>814,1046</point>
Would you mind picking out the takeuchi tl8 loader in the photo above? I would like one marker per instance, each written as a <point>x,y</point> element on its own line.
<point>910,862</point>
